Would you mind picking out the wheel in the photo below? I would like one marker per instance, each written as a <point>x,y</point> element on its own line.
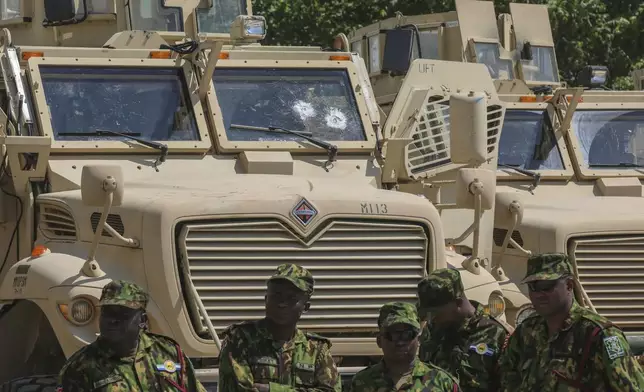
<point>43,383</point>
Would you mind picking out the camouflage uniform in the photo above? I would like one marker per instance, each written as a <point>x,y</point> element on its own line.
<point>471,352</point>
<point>423,377</point>
<point>249,355</point>
<point>158,365</point>
<point>587,354</point>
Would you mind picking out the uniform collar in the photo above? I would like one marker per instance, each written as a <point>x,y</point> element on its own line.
<point>298,338</point>
<point>407,380</point>
<point>144,344</point>
<point>574,315</point>
<point>472,321</point>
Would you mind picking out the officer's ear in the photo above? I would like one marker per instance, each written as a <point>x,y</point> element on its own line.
<point>307,306</point>
<point>570,283</point>
<point>379,340</point>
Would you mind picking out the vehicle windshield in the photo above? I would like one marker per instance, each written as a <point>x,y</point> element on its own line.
<point>542,67</point>
<point>610,138</point>
<point>149,103</point>
<point>527,142</point>
<point>489,54</point>
<point>429,43</point>
<point>217,16</point>
<point>318,101</point>
<point>153,15</point>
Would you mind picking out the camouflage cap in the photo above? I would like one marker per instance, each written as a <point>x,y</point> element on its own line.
<point>299,276</point>
<point>398,313</point>
<point>439,288</point>
<point>547,266</point>
<point>121,292</point>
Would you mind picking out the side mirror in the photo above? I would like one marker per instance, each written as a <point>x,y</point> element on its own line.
<point>508,206</point>
<point>472,182</point>
<point>59,10</point>
<point>468,128</point>
<point>97,181</point>
<point>398,49</point>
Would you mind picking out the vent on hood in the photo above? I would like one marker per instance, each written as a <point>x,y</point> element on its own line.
<point>56,222</point>
<point>499,236</point>
<point>113,220</point>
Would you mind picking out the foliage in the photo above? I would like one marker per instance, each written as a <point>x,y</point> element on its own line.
<point>598,32</point>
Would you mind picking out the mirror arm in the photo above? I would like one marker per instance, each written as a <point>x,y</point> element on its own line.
<point>476,189</point>
<point>462,237</point>
<point>91,267</point>
<point>131,242</point>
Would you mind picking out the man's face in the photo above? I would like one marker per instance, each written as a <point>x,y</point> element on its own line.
<point>445,316</point>
<point>399,343</point>
<point>119,323</point>
<point>285,302</point>
<point>550,296</point>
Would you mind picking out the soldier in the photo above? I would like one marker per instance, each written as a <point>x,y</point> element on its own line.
<point>126,357</point>
<point>463,339</point>
<point>563,345</point>
<point>272,353</point>
<point>400,368</point>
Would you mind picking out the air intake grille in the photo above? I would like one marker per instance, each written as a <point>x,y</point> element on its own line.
<point>611,270</point>
<point>56,222</point>
<point>357,266</point>
<point>113,220</point>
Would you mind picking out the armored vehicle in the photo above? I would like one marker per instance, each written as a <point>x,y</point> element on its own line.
<point>638,79</point>
<point>568,157</point>
<point>193,161</point>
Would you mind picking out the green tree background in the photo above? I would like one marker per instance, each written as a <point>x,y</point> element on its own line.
<point>597,32</point>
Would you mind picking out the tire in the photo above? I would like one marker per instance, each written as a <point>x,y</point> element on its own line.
<point>42,383</point>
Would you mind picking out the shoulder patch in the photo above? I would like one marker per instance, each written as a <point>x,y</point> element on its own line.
<point>482,349</point>
<point>614,348</point>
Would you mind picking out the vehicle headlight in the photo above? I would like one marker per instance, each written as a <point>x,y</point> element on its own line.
<point>524,312</point>
<point>248,26</point>
<point>79,312</point>
<point>496,305</point>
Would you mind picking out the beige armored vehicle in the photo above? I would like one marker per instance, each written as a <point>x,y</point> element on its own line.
<point>568,159</point>
<point>638,79</point>
<point>126,157</point>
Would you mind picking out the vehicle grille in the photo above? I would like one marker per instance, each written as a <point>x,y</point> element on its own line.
<point>611,270</point>
<point>357,265</point>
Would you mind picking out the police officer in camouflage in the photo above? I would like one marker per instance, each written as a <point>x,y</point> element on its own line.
<point>272,354</point>
<point>401,369</point>
<point>460,336</point>
<point>564,346</point>
<point>126,357</point>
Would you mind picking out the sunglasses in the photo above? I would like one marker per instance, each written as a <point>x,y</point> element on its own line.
<point>401,336</point>
<point>542,285</point>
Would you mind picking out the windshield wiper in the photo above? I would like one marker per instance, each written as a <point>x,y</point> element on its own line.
<point>332,149</point>
<point>621,164</point>
<point>130,135</point>
<point>535,176</point>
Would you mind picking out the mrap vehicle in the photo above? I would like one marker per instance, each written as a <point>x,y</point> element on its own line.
<point>570,161</point>
<point>193,161</point>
